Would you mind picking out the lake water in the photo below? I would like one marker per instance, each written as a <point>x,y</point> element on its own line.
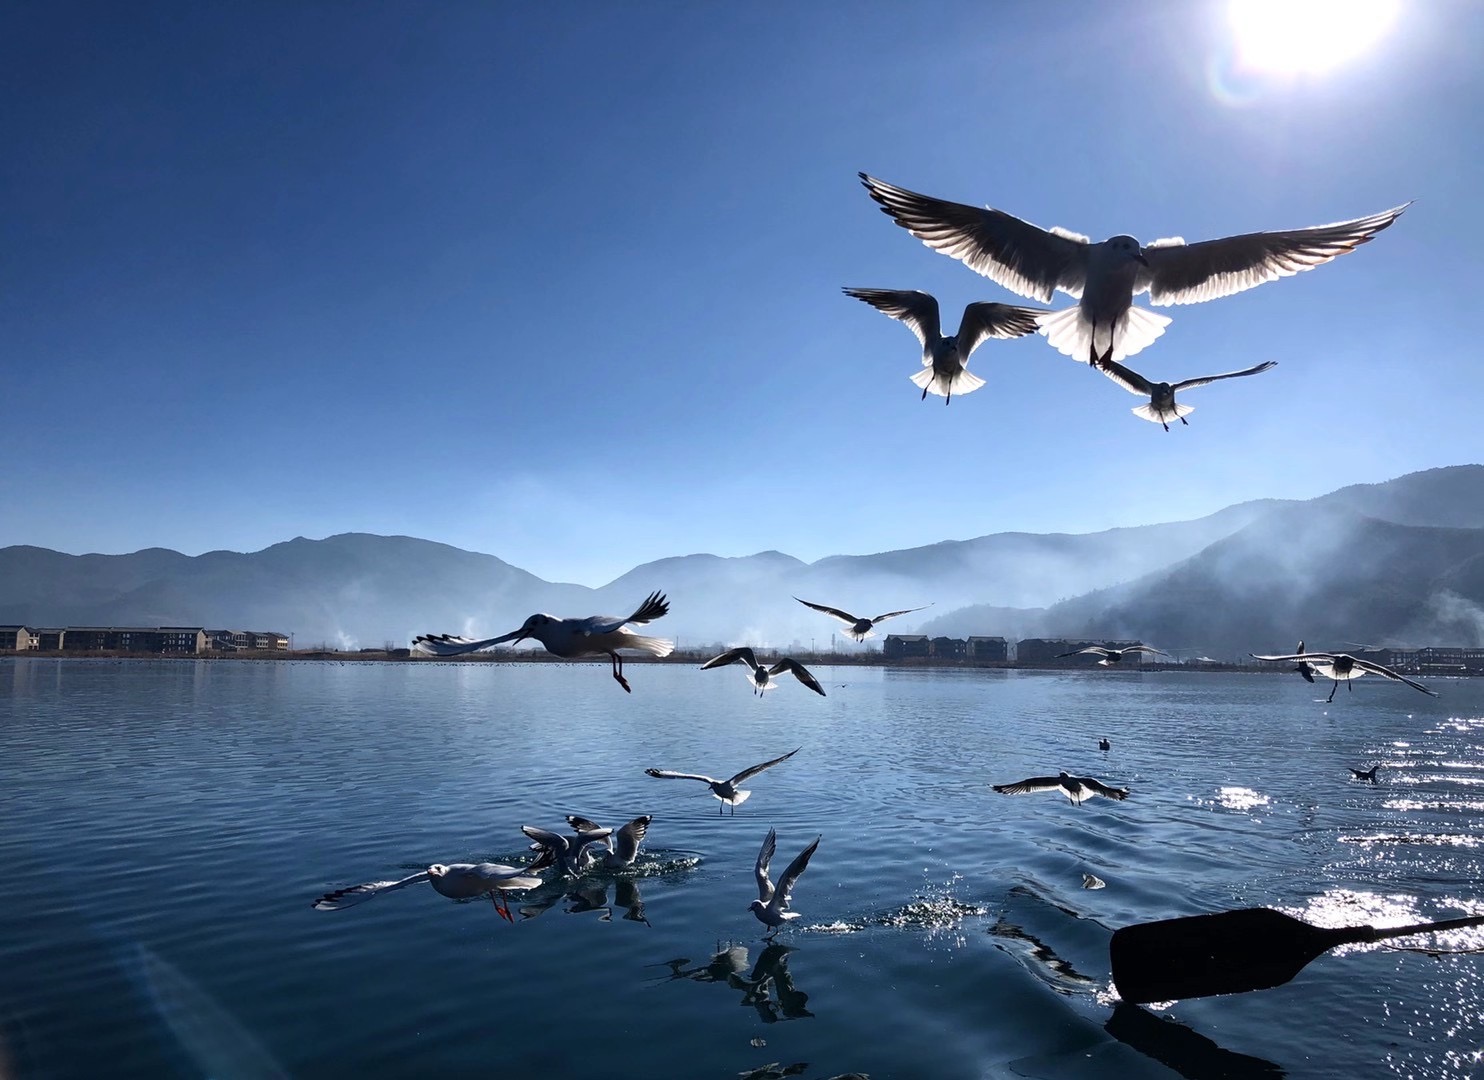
<point>166,826</point>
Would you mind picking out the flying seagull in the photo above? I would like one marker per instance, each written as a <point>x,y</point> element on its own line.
<point>859,628</point>
<point>762,679</point>
<point>567,853</point>
<point>725,790</point>
<point>1106,277</point>
<point>1366,774</point>
<point>593,636</point>
<point>457,881</point>
<point>1342,667</point>
<point>1163,407</point>
<point>771,906</point>
<point>1076,788</point>
<point>623,846</point>
<point>1112,656</point>
<point>945,360</point>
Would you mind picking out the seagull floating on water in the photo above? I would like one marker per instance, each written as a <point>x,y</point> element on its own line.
<point>1106,277</point>
<point>1076,788</point>
<point>1112,656</point>
<point>457,881</point>
<point>860,629</point>
<point>1367,774</point>
<point>762,679</point>
<point>623,846</point>
<point>1163,407</point>
<point>568,853</point>
<point>945,360</point>
<point>1104,745</point>
<point>593,636</point>
<point>771,906</point>
<point>1092,881</point>
<point>725,790</point>
<point>1342,667</point>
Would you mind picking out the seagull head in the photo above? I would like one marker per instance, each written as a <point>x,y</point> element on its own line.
<point>1128,247</point>
<point>757,907</point>
<point>532,627</point>
<point>437,870</point>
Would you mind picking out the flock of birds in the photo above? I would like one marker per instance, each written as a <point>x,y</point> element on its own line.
<point>1105,326</point>
<point>590,846</point>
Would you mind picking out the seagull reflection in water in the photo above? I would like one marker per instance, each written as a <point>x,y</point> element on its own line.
<point>768,987</point>
<point>592,896</point>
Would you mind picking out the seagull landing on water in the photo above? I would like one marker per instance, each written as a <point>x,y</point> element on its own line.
<point>725,790</point>
<point>945,360</point>
<point>457,881</point>
<point>1112,656</point>
<point>1342,668</point>
<point>1163,407</point>
<point>1366,774</point>
<point>860,629</point>
<point>1076,788</point>
<point>762,679</point>
<point>595,635</point>
<point>1106,277</point>
<point>568,853</point>
<point>771,906</point>
<point>623,846</point>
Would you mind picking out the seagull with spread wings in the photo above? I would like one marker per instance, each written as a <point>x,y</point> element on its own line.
<point>945,360</point>
<point>1112,656</point>
<point>457,881</point>
<point>1342,668</point>
<point>596,635</point>
<point>1163,407</point>
<point>1106,277</point>
<point>568,853</point>
<point>1076,788</point>
<point>725,790</point>
<point>623,845</point>
<point>762,678</point>
<point>860,628</point>
<point>771,906</point>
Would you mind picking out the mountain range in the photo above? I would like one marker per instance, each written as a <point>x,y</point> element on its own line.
<point>1400,562</point>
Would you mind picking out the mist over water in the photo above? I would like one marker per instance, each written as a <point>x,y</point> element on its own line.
<point>167,826</point>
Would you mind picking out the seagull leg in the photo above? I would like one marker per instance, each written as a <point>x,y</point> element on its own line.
<point>924,394</point>
<point>1332,692</point>
<point>1167,426</point>
<point>618,673</point>
<point>503,912</point>
<point>1185,421</point>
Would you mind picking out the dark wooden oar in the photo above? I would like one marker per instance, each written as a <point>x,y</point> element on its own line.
<point>1232,952</point>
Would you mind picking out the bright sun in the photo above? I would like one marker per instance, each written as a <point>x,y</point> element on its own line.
<point>1306,36</point>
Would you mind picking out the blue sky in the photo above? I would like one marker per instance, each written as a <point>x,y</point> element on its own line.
<point>561,282</point>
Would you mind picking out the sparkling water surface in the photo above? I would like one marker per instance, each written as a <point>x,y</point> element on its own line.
<point>165,827</point>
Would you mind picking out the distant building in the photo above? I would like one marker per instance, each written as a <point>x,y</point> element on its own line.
<point>1045,650</point>
<point>187,640</point>
<point>994,649</point>
<point>239,640</point>
<point>901,646</point>
<point>18,639</point>
<point>947,648</point>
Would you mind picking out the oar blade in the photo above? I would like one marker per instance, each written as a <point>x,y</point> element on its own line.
<point>1230,952</point>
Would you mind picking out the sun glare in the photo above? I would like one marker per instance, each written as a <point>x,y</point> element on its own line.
<point>1306,37</point>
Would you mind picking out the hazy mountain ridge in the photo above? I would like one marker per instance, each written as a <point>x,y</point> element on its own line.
<point>1401,560</point>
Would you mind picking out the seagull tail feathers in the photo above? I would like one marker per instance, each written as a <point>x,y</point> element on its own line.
<point>1071,335</point>
<point>962,383</point>
<point>654,646</point>
<point>1155,416</point>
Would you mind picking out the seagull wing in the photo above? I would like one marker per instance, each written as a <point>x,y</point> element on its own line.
<point>1100,788</point>
<point>1181,273</point>
<point>449,645</point>
<point>731,656</point>
<point>1386,671</point>
<point>747,774</point>
<point>585,837</point>
<point>791,875</point>
<point>556,842</point>
<point>904,611</point>
<point>582,824</point>
<point>1145,648</point>
<point>1315,657</point>
<point>1090,649</point>
<point>985,320</point>
<point>1190,384</point>
<point>917,309</point>
<point>800,672</point>
<point>1024,258</point>
<point>655,605</point>
<point>760,869</point>
<point>834,612</point>
<point>1127,378</point>
<point>1034,783</point>
<point>358,894</point>
<point>630,837</point>
<point>666,774</point>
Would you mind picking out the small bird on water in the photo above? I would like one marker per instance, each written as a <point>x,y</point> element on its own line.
<point>771,906</point>
<point>595,635</point>
<point>1367,774</point>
